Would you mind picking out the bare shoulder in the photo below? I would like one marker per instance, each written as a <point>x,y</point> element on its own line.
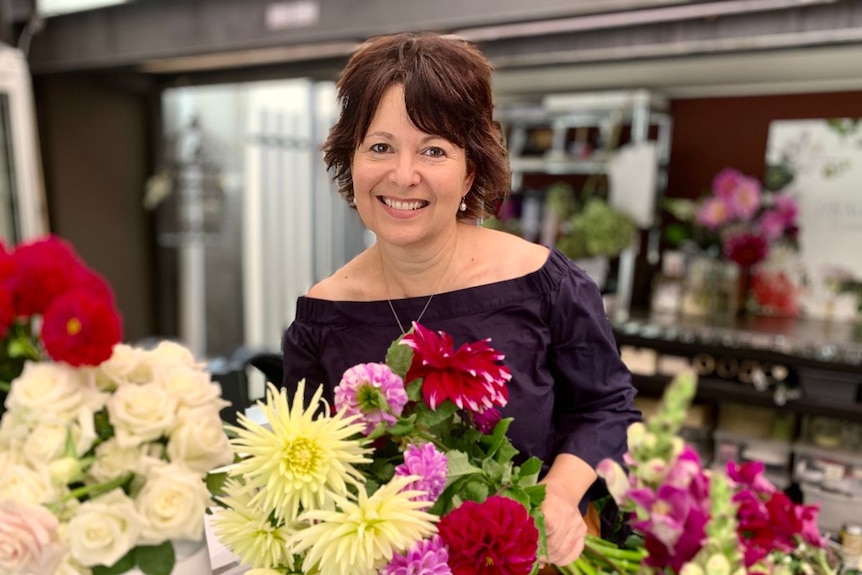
<point>506,256</point>
<point>351,282</point>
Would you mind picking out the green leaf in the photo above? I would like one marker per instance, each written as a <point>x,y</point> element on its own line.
<point>495,471</point>
<point>126,563</point>
<point>475,490</point>
<point>528,472</point>
<point>495,440</point>
<point>459,465</point>
<point>399,357</point>
<point>414,389</point>
<point>536,493</point>
<point>156,559</point>
<point>215,483</point>
<point>403,426</point>
<point>518,495</point>
<point>428,417</point>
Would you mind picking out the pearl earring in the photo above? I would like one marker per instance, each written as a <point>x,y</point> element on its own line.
<point>463,206</point>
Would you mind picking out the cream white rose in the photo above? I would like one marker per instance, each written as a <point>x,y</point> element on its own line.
<point>126,365</point>
<point>200,442</point>
<point>14,430</point>
<point>46,391</point>
<point>171,353</point>
<point>191,387</point>
<point>26,483</point>
<point>104,529</point>
<point>46,442</point>
<point>30,542</point>
<point>173,503</point>
<point>141,413</point>
<point>114,460</point>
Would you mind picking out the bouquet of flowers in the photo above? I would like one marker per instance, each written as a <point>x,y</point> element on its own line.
<point>409,472</point>
<point>104,447</point>
<point>694,521</point>
<point>737,219</point>
<point>52,306</point>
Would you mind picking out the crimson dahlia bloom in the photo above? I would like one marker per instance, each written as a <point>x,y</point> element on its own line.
<point>746,249</point>
<point>471,376</point>
<point>44,270</point>
<point>7,312</point>
<point>81,328</point>
<point>496,537</point>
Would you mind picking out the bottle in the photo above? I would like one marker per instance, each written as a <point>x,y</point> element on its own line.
<point>669,284</point>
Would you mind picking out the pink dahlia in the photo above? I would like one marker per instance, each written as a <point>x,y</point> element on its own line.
<point>472,376</point>
<point>425,557</point>
<point>429,464</point>
<point>496,537</point>
<point>373,391</point>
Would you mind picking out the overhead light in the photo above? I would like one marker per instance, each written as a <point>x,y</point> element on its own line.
<point>252,57</point>
<point>57,7</point>
<point>630,18</point>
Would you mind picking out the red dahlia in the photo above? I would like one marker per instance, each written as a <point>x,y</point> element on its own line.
<point>81,328</point>
<point>45,269</point>
<point>471,376</point>
<point>496,537</point>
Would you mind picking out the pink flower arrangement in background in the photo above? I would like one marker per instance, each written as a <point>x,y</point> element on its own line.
<point>746,219</point>
<point>739,218</point>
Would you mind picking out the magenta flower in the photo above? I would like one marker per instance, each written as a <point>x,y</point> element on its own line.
<point>713,213</point>
<point>373,391</point>
<point>745,248</point>
<point>472,376</point>
<point>429,464</point>
<point>425,557</point>
<point>746,198</point>
<point>726,181</point>
<point>486,420</point>
<point>749,474</point>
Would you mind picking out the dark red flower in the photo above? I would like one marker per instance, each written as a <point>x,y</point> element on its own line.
<point>7,310</point>
<point>746,249</point>
<point>44,270</point>
<point>487,420</point>
<point>496,537</point>
<point>470,376</point>
<point>81,328</point>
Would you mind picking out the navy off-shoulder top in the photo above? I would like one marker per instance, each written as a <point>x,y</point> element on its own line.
<point>569,392</point>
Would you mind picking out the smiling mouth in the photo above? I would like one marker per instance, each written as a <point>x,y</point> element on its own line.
<point>407,206</point>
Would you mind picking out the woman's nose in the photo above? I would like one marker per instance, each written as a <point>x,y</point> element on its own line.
<point>404,173</point>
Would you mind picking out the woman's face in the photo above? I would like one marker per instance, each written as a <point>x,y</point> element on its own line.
<point>407,184</point>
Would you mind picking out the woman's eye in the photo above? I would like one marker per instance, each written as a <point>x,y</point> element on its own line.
<point>435,152</point>
<point>379,148</point>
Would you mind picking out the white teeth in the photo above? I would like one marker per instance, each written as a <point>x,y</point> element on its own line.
<point>399,205</point>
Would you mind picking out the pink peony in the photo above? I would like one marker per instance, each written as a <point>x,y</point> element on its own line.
<point>713,213</point>
<point>472,376</point>
<point>29,541</point>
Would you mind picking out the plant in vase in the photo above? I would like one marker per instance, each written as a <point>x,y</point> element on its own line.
<point>102,462</point>
<point>737,221</point>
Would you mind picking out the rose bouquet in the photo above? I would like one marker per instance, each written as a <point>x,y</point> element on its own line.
<point>410,471</point>
<point>104,447</point>
<point>692,520</point>
<point>52,306</point>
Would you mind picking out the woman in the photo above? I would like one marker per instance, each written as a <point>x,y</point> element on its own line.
<point>417,152</point>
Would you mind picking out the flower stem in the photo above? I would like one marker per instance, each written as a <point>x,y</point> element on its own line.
<point>98,488</point>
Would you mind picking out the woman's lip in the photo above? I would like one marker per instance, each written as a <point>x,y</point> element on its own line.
<point>403,205</point>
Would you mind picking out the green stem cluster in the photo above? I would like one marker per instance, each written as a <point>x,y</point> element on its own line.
<point>601,557</point>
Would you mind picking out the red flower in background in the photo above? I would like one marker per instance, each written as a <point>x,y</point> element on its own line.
<point>79,322</point>
<point>81,328</point>
<point>470,376</point>
<point>44,269</point>
<point>496,537</point>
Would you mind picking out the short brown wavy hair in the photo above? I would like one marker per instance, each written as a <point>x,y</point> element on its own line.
<point>447,90</point>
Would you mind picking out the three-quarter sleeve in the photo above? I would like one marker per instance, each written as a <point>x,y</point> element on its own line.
<point>593,389</point>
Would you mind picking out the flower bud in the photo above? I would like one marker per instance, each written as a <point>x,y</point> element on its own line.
<point>65,470</point>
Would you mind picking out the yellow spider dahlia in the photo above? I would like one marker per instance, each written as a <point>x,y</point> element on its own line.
<point>248,531</point>
<point>299,460</point>
<point>360,537</point>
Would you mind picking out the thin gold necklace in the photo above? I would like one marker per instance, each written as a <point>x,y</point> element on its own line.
<point>427,303</point>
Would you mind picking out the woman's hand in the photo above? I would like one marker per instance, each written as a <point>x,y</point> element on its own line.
<point>564,526</point>
<point>565,485</point>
